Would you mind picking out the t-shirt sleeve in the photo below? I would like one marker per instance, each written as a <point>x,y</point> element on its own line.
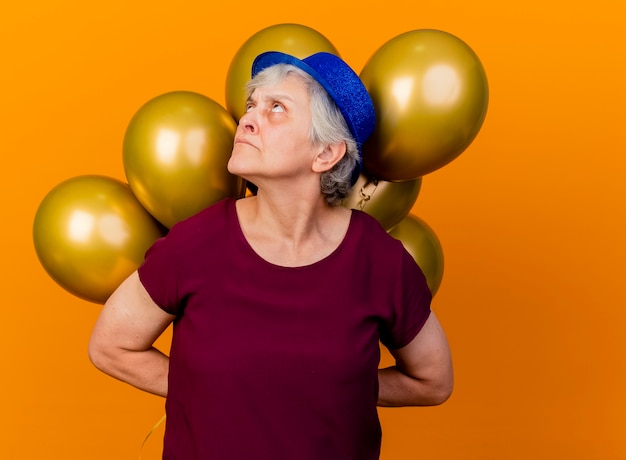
<point>159,274</point>
<point>411,305</point>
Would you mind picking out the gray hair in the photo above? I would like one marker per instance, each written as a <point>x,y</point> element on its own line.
<point>327,127</point>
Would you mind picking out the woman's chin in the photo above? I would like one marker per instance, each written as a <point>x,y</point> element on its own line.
<point>235,167</point>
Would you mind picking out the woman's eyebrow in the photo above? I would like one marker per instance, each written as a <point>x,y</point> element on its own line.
<point>278,96</point>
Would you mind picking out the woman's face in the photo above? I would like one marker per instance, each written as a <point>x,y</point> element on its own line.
<point>273,137</point>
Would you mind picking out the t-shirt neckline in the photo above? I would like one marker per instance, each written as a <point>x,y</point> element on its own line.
<point>324,260</point>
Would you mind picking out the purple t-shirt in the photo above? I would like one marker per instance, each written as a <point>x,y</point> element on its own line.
<point>270,362</point>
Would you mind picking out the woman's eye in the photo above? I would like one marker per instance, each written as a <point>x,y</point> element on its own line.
<point>277,108</point>
<point>248,107</point>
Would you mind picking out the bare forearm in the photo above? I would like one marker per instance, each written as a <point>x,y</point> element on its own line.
<point>398,389</point>
<point>146,370</point>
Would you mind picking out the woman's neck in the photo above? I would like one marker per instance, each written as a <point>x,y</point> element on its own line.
<point>291,231</point>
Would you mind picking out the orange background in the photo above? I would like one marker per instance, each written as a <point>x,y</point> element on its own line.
<point>531,216</point>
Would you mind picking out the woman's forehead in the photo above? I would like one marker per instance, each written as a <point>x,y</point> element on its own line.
<point>292,88</point>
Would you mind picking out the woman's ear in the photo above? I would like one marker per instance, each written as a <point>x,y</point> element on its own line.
<point>329,156</point>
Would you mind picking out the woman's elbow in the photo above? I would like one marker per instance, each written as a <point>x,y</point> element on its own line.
<point>100,355</point>
<point>435,390</point>
<point>442,392</point>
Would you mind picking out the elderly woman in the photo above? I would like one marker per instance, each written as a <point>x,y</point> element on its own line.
<point>280,300</point>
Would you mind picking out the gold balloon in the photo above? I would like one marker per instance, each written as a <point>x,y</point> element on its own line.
<point>422,243</point>
<point>388,202</point>
<point>176,148</point>
<point>90,233</point>
<point>430,94</point>
<point>295,39</point>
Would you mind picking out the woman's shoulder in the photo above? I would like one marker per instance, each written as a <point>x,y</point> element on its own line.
<point>371,233</point>
<point>216,217</point>
<point>368,224</point>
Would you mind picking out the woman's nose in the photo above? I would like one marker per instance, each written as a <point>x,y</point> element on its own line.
<point>248,123</point>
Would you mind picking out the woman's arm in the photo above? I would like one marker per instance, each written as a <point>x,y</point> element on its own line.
<point>122,340</point>
<point>423,373</point>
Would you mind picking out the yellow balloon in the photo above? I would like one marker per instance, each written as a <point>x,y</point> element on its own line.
<point>176,149</point>
<point>295,39</point>
<point>90,233</point>
<point>422,243</point>
<point>388,202</point>
<point>430,94</point>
